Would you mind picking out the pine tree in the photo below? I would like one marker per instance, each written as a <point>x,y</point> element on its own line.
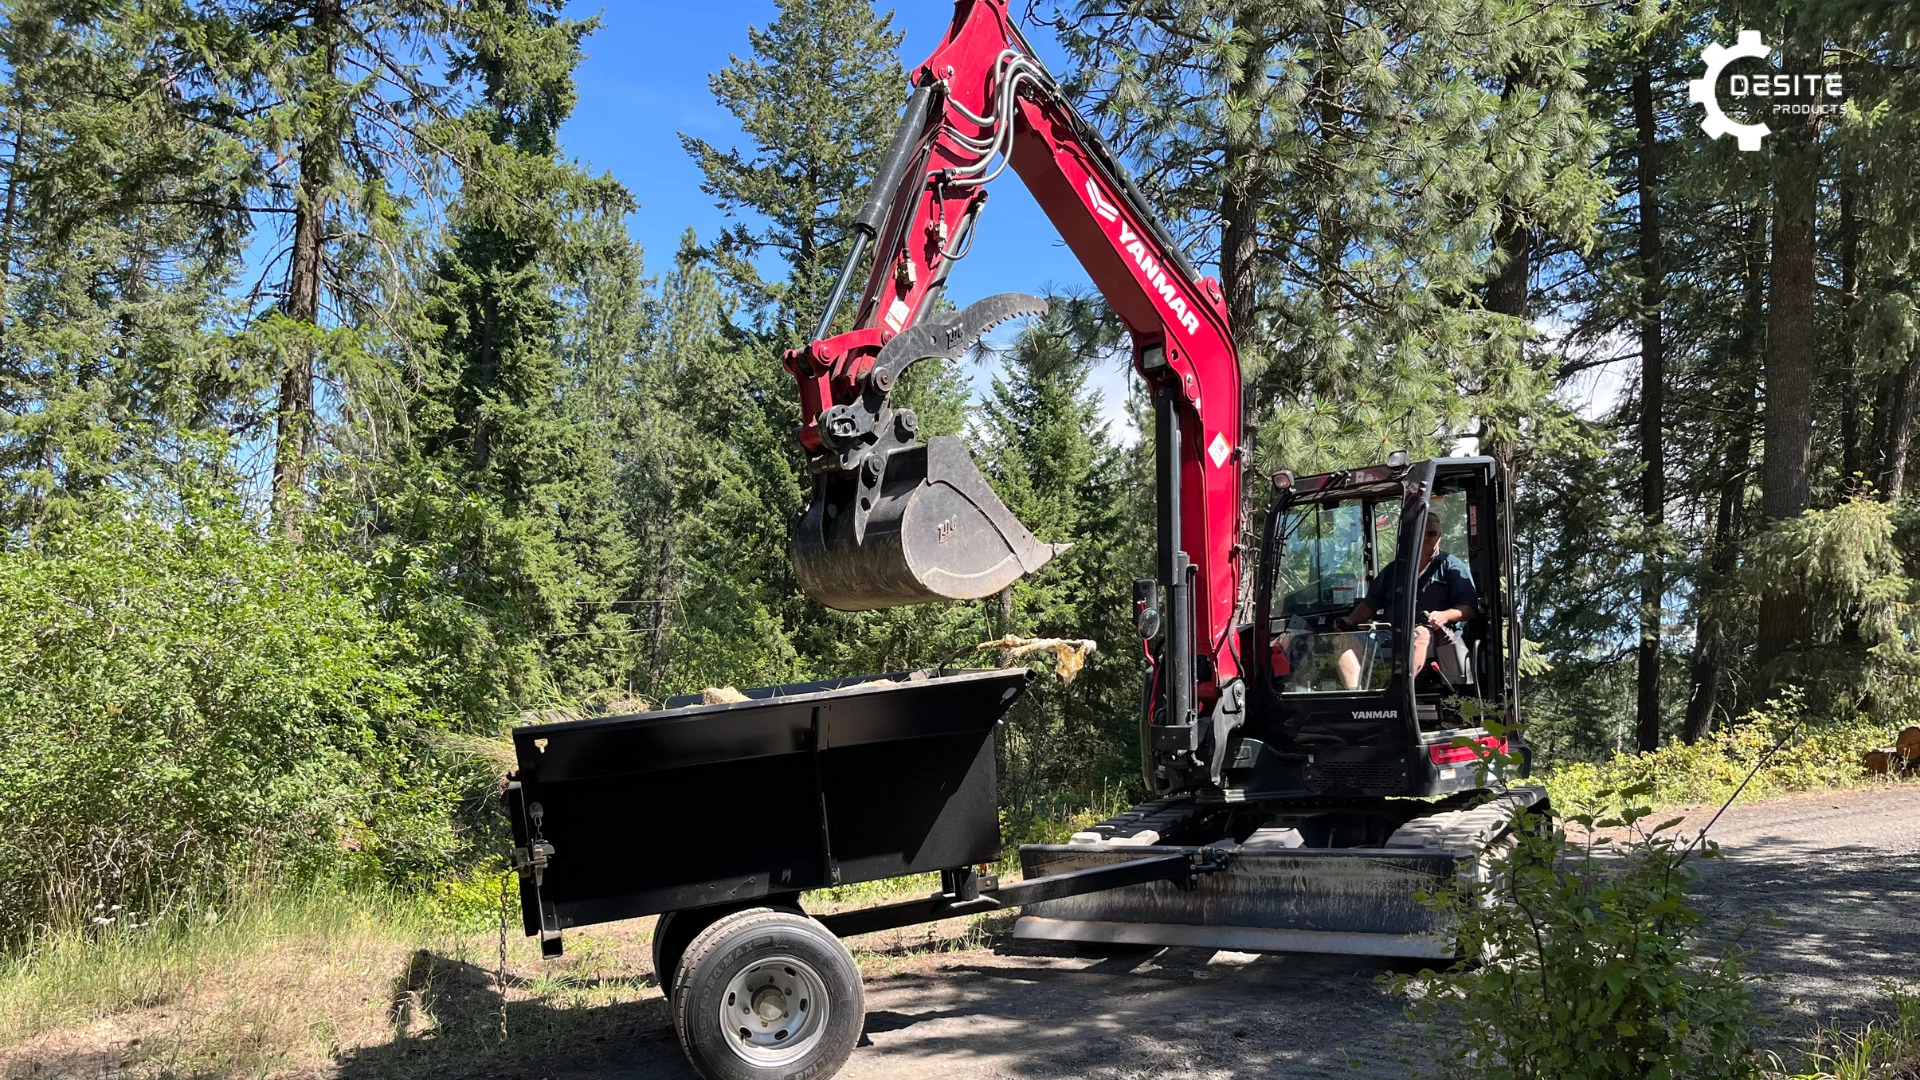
<point>819,97</point>
<point>711,493</point>
<point>1367,180</point>
<point>335,116</point>
<point>1048,452</point>
<point>119,231</point>
<point>504,501</point>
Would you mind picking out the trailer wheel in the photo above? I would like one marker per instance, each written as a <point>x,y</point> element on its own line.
<point>669,944</point>
<point>673,931</point>
<point>767,995</point>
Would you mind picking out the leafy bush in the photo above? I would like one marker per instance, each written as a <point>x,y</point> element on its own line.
<point>1593,966</point>
<point>186,702</point>
<point>1809,757</point>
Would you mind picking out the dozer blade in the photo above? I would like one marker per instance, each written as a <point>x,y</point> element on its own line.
<point>1276,896</point>
<point>933,530</point>
<point>1299,900</point>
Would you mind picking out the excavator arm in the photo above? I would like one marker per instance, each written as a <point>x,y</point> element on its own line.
<point>894,521</point>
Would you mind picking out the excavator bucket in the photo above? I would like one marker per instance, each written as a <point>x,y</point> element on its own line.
<point>928,529</point>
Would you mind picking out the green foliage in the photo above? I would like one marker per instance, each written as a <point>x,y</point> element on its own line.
<point>117,243</point>
<point>819,96</point>
<point>1858,646</point>
<point>498,529</point>
<point>188,703</point>
<point>1593,962</point>
<point>539,475</point>
<point>1353,174</point>
<point>1792,755</point>
<point>1042,443</point>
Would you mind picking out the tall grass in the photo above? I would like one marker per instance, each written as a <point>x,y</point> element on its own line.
<point>1884,1049</point>
<point>271,957</point>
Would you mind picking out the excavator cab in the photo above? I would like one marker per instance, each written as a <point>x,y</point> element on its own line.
<point>1354,689</point>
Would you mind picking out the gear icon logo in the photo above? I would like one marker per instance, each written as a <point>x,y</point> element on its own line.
<point>1747,47</point>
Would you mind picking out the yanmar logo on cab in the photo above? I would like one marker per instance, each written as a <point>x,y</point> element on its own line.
<point>1150,267</point>
<point>1374,714</point>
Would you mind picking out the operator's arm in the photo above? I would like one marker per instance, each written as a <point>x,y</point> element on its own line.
<point>1461,595</point>
<point>1362,612</point>
<point>1369,605</point>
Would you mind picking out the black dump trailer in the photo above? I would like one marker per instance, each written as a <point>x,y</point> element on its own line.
<point>716,817</point>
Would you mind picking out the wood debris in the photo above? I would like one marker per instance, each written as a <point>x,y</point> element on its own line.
<point>1902,757</point>
<point>1069,654</point>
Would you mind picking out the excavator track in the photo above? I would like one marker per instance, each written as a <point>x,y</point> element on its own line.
<point>1146,824</point>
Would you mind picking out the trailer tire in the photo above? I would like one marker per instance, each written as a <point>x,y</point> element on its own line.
<point>669,945</point>
<point>763,994</point>
<point>673,931</point>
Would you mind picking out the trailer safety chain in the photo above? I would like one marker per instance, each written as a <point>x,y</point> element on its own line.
<point>500,973</point>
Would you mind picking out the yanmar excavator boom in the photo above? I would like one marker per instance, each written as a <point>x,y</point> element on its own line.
<point>1313,768</point>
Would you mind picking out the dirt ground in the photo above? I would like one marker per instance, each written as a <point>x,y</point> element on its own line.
<point>1823,888</point>
<point>1840,873</point>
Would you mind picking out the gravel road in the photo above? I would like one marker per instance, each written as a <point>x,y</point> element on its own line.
<point>1823,888</point>
<point>1839,872</point>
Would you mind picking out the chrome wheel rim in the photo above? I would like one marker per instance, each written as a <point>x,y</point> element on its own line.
<point>774,1011</point>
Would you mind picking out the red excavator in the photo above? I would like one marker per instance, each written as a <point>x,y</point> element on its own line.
<point>1318,749</point>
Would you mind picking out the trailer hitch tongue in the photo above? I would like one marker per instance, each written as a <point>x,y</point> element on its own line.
<point>894,522</point>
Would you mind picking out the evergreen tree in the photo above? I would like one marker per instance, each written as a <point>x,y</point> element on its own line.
<point>119,231</point>
<point>502,520</point>
<point>1367,180</point>
<point>1048,451</point>
<point>712,492</point>
<point>819,97</point>
<point>333,111</point>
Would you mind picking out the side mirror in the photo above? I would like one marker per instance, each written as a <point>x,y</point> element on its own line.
<point>1146,608</point>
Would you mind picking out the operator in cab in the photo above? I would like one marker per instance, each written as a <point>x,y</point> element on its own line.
<point>1447,597</point>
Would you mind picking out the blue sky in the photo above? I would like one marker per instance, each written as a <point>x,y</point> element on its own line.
<point>644,83</point>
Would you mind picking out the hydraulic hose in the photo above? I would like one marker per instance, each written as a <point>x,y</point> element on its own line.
<point>880,196</point>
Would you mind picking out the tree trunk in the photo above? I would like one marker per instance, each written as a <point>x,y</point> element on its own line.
<point>1852,462</point>
<point>1790,351</point>
<point>486,378</point>
<point>1653,472</point>
<point>662,605</point>
<point>1508,290</point>
<point>1507,294</point>
<point>1240,198</point>
<point>1710,638</point>
<point>293,417</point>
<point>6,225</point>
<point>1329,215</point>
<point>1906,394</point>
<point>1722,557</point>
